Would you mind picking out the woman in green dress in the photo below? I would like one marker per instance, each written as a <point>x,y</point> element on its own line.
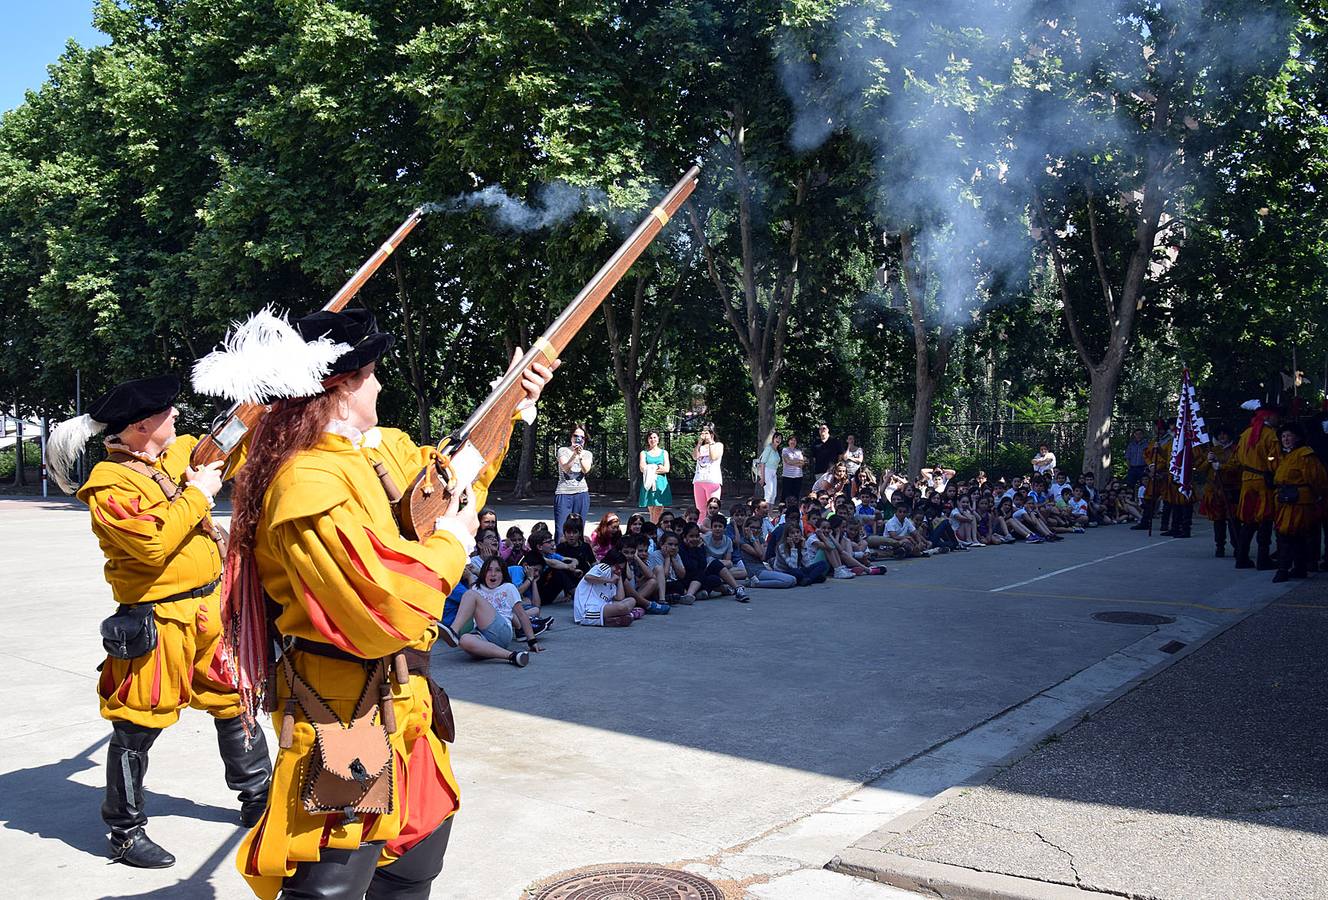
<point>655,491</point>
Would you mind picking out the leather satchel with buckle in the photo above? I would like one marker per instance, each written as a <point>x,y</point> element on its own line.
<point>351,770</point>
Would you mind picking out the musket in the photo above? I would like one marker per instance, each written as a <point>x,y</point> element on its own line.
<point>229,428</point>
<point>460,457</point>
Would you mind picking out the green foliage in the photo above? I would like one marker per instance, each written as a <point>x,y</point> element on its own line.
<point>217,156</point>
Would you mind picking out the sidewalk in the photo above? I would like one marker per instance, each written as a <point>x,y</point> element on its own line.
<point>1209,781</point>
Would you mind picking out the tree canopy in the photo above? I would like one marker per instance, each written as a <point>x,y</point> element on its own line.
<point>908,212</point>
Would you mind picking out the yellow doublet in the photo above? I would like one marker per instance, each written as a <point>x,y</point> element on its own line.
<point>155,549</point>
<point>330,554</point>
<point>1256,502</point>
<point>1302,470</point>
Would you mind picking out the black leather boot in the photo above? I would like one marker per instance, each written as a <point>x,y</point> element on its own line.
<point>1240,545</point>
<point>1146,517</point>
<point>411,877</point>
<point>1186,526</point>
<point>1220,537</point>
<point>248,771</point>
<point>1168,510</point>
<point>338,875</point>
<point>122,810</point>
<point>1264,538</point>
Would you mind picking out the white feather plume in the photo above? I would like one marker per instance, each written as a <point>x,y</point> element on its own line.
<point>265,359</point>
<point>1251,405</point>
<point>64,444</point>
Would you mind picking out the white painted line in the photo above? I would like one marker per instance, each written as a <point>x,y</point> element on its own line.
<point>1080,566</point>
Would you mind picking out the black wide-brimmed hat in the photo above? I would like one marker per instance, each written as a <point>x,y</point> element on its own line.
<point>132,401</point>
<point>356,328</point>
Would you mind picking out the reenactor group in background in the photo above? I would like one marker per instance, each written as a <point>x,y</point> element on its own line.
<point>1270,481</point>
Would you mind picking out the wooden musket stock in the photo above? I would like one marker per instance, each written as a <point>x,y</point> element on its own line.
<point>465,453</point>
<point>229,429</point>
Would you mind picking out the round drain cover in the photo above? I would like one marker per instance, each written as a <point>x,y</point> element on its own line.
<point>628,882</point>
<point>1124,617</point>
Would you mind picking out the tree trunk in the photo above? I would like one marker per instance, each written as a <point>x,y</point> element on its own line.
<point>765,411</point>
<point>526,468</point>
<point>632,410</point>
<point>18,448</point>
<point>1104,381</point>
<point>924,399</point>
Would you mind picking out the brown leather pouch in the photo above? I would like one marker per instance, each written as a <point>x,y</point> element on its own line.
<point>444,726</point>
<point>350,771</point>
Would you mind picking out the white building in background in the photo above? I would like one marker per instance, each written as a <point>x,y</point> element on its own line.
<point>9,427</point>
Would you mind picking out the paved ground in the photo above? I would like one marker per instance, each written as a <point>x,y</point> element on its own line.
<point>735,740</point>
<point>1210,781</point>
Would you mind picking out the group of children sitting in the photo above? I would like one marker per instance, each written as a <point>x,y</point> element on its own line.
<point>617,574</point>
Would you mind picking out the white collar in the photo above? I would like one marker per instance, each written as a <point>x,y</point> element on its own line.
<point>360,440</point>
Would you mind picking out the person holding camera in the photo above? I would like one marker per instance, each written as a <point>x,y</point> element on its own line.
<point>572,495</point>
<point>709,480</point>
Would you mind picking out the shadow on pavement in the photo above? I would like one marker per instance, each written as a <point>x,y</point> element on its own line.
<point>47,801</point>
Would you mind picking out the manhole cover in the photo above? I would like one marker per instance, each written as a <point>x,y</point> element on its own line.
<point>1124,617</point>
<point>629,882</point>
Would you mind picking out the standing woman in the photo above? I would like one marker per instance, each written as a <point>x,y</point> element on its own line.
<point>769,463</point>
<point>853,458</point>
<point>655,491</point>
<point>709,480</point>
<point>572,495</point>
<point>794,460</point>
<point>319,565</point>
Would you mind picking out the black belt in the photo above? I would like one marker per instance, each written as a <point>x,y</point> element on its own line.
<point>417,661</point>
<point>184,595</point>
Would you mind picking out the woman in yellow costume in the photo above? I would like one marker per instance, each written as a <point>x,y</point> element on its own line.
<point>1300,486</point>
<point>314,532</point>
<point>150,515</point>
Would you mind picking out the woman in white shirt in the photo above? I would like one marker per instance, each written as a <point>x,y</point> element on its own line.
<point>572,494</point>
<point>769,463</point>
<point>791,477</point>
<point>709,480</point>
<point>853,459</point>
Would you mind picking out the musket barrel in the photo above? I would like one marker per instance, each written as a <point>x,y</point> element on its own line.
<point>559,334</point>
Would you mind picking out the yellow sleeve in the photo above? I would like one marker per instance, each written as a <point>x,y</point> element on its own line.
<point>364,587</point>
<point>148,530</point>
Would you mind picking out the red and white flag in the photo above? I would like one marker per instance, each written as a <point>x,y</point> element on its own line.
<point>1190,433</point>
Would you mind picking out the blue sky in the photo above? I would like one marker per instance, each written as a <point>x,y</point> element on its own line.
<point>34,36</point>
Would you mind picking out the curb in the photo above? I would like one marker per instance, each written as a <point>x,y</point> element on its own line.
<point>951,882</point>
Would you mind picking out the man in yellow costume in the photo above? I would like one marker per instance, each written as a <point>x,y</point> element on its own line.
<point>150,513</point>
<point>1300,486</point>
<point>1257,453</point>
<point>1222,490</point>
<point>352,599</point>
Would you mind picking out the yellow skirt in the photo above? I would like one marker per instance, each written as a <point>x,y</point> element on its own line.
<point>180,672</point>
<point>424,790</point>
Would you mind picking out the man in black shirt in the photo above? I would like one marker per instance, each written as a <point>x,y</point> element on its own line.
<point>826,451</point>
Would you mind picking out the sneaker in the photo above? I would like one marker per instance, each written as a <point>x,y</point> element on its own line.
<point>931,551</point>
<point>842,573</point>
<point>1033,539</point>
<point>537,627</point>
<point>1078,530</point>
<point>657,609</point>
<point>876,570</point>
<point>683,600</point>
<point>741,596</point>
<point>638,612</point>
<point>449,636</point>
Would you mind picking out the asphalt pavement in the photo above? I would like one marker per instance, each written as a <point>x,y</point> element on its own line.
<point>1209,781</point>
<point>748,743</point>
